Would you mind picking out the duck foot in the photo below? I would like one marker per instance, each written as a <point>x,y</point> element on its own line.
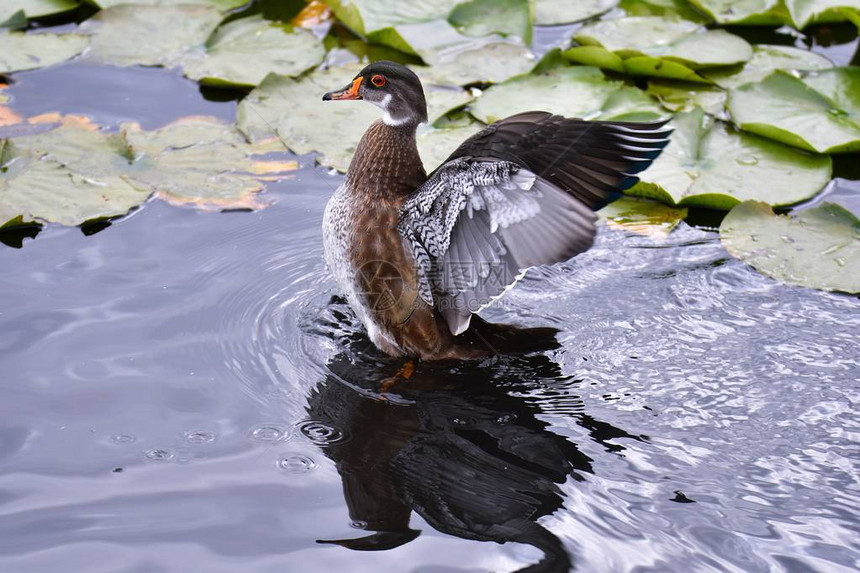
<point>404,372</point>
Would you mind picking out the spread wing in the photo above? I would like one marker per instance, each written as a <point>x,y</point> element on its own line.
<point>518,194</point>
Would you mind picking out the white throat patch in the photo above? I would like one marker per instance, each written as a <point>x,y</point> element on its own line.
<point>387,119</point>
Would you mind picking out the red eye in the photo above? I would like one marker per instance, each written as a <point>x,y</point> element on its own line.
<point>378,80</point>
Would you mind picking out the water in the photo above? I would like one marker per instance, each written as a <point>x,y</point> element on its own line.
<point>185,391</point>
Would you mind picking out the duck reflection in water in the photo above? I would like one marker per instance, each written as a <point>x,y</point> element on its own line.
<point>461,445</point>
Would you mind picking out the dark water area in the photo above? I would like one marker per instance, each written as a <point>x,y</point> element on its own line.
<point>185,391</point>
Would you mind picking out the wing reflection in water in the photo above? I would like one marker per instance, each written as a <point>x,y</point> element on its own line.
<point>460,447</point>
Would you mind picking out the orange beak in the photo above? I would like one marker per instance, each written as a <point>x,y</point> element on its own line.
<point>350,92</point>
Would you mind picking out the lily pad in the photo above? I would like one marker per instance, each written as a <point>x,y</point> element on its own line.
<point>817,248</point>
<point>245,51</point>
<point>222,5</point>
<point>664,47</point>
<point>435,145</point>
<point>748,12</point>
<point>707,164</point>
<point>21,51</point>
<point>820,113</point>
<point>68,176</point>
<point>294,111</point>
<point>765,60</point>
<point>34,8</point>
<point>683,96</point>
<point>77,172</point>
<point>128,35</point>
<point>368,16</point>
<point>573,92</point>
<point>552,12</point>
<point>484,17</point>
<point>806,12</point>
<point>198,161</point>
<point>677,9</point>
<point>462,60</point>
<point>642,217</point>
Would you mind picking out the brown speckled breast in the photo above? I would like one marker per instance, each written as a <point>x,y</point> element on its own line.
<point>385,170</point>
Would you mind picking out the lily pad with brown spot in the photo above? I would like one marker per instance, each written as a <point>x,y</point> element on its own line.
<point>642,217</point>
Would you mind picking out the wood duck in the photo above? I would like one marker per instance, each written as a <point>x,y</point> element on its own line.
<point>417,256</point>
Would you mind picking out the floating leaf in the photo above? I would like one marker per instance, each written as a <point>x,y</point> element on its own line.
<point>595,56</point>
<point>435,145</point>
<point>552,12</point>
<point>484,17</point>
<point>573,92</point>
<point>70,177</point>
<point>767,59</point>
<point>677,9</point>
<point>817,248</point>
<point>368,16</point>
<point>294,110</point>
<point>820,113</point>
<point>129,35</point>
<point>20,51</point>
<point>749,12</point>
<point>683,96</point>
<point>34,8</point>
<point>708,165</point>
<point>197,161</point>
<point>664,47</point>
<point>462,60</point>
<point>806,12</point>
<point>222,5</point>
<point>245,51</point>
<point>642,217</point>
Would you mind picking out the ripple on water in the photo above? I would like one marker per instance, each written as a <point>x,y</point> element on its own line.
<point>296,464</point>
<point>160,455</point>
<point>269,433</point>
<point>123,439</point>
<point>200,437</point>
<point>319,433</point>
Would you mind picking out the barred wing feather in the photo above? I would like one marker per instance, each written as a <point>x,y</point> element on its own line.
<point>481,220</point>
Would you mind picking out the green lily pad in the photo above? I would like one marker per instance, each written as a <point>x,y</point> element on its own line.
<point>683,96</point>
<point>129,35</point>
<point>708,165</point>
<point>806,12</point>
<point>767,59</point>
<point>77,173</point>
<point>797,13</point>
<point>294,111</point>
<point>595,56</point>
<point>676,9</point>
<point>368,16</point>
<point>484,17</point>
<point>462,60</point>
<point>245,51</point>
<point>20,51</point>
<point>222,5</point>
<point>642,217</point>
<point>817,248</point>
<point>197,161</point>
<point>552,12</point>
<point>47,190</point>
<point>820,113</point>
<point>68,176</point>
<point>573,92</point>
<point>664,47</point>
<point>747,12</point>
<point>34,8</point>
<point>435,145</point>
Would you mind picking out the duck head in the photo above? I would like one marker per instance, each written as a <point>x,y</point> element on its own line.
<point>391,86</point>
